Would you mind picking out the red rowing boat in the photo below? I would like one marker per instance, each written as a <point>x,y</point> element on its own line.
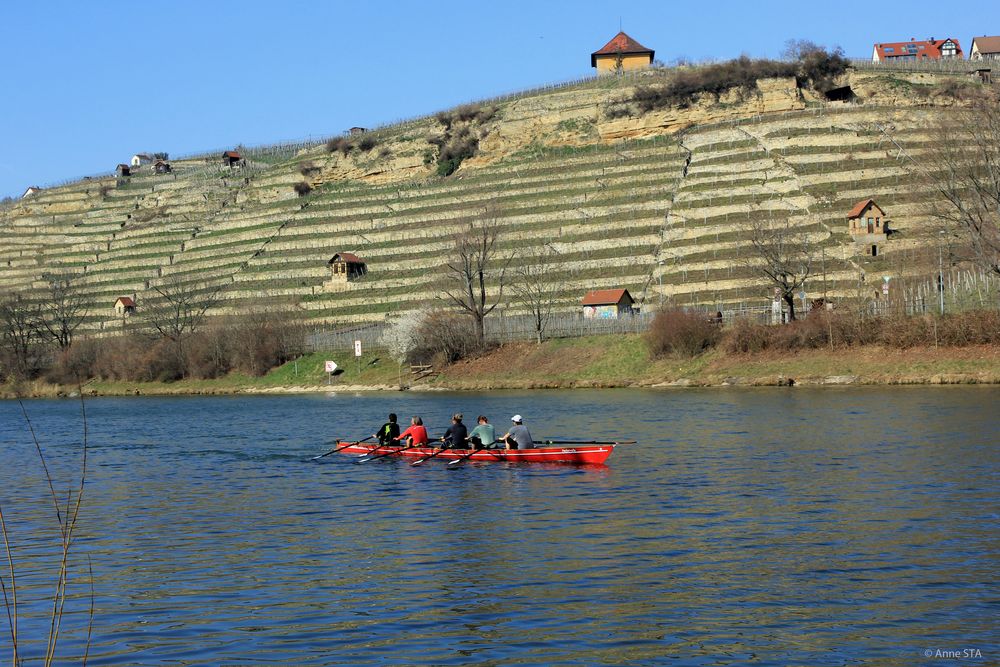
<point>569,454</point>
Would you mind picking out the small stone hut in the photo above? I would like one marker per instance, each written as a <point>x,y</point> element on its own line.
<point>346,266</point>
<point>124,306</point>
<point>621,53</point>
<point>162,167</point>
<point>232,159</point>
<point>868,225</point>
<point>123,170</point>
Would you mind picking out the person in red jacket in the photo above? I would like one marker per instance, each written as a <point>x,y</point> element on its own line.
<point>417,434</point>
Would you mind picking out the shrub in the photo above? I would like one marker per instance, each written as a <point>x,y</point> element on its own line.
<point>385,153</point>
<point>443,338</point>
<point>677,331</point>
<point>746,336</point>
<point>74,364</point>
<point>308,168</point>
<point>302,188</point>
<point>341,144</point>
<point>814,66</point>
<point>367,143</point>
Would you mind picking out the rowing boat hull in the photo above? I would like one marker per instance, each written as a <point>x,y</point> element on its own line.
<point>590,454</point>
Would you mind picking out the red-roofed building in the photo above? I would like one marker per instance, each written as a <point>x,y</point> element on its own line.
<point>346,266</point>
<point>868,226</point>
<point>232,159</point>
<point>621,53</point>
<point>928,49</point>
<point>607,303</point>
<point>124,306</point>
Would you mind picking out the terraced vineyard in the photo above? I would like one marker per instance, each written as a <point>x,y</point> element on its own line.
<point>663,214</point>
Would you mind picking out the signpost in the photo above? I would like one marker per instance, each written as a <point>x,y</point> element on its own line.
<point>331,368</point>
<point>885,285</point>
<point>357,355</point>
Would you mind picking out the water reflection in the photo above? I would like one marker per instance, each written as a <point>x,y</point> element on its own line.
<point>767,526</point>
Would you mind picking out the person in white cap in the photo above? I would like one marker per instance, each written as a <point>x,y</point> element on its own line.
<point>518,437</point>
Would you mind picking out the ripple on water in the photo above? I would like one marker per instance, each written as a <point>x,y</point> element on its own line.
<point>743,528</point>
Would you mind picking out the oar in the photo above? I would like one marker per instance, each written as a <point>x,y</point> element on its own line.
<point>382,456</point>
<point>584,442</point>
<point>427,458</point>
<point>340,449</point>
<point>463,458</point>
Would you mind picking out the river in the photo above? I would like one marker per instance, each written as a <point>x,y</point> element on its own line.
<point>765,526</point>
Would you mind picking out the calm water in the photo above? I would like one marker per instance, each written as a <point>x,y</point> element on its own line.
<point>767,527</point>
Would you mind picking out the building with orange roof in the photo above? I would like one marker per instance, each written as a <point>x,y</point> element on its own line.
<point>620,54</point>
<point>607,304</point>
<point>928,49</point>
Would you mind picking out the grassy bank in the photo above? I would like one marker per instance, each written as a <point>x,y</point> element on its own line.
<point>597,361</point>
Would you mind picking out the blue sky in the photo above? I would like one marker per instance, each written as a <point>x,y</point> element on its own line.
<point>89,84</point>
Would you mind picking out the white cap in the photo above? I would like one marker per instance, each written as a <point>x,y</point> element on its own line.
<point>516,418</point>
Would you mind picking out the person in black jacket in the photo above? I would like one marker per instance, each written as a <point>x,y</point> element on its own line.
<point>457,435</point>
<point>388,434</point>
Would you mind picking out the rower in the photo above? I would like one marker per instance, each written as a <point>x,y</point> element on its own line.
<point>416,433</point>
<point>484,435</point>
<point>388,434</point>
<point>457,434</point>
<point>518,437</point>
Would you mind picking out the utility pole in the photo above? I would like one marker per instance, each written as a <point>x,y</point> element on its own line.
<point>940,279</point>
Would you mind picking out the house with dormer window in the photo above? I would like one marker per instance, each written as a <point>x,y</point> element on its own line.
<point>928,49</point>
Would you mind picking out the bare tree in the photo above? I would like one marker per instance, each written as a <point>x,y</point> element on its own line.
<point>61,311</point>
<point>175,311</point>
<point>965,173</point>
<point>536,286</point>
<point>19,332</point>
<point>475,268</point>
<point>781,252</point>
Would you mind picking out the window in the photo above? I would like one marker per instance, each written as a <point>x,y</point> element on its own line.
<point>874,251</point>
<point>889,49</point>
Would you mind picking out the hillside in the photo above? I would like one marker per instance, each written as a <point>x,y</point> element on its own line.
<point>649,201</point>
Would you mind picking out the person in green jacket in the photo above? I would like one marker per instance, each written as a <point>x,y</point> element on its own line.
<point>484,435</point>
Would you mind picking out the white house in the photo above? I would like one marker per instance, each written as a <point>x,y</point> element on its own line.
<point>141,159</point>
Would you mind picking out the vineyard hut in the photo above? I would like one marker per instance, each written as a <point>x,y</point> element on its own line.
<point>867,225</point>
<point>32,189</point>
<point>621,53</point>
<point>140,159</point>
<point>357,130</point>
<point>232,159</point>
<point>346,266</point>
<point>607,304</point>
<point>123,170</point>
<point>124,306</point>
<point>162,167</point>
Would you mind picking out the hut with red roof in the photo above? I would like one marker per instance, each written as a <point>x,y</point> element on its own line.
<point>607,304</point>
<point>620,54</point>
<point>867,225</point>
<point>346,266</point>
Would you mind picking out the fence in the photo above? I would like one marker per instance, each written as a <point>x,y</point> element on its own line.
<point>502,328</point>
<point>944,66</point>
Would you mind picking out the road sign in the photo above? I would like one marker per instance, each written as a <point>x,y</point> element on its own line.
<point>885,288</point>
<point>331,366</point>
<point>357,348</point>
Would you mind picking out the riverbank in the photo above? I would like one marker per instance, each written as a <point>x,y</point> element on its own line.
<point>597,361</point>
